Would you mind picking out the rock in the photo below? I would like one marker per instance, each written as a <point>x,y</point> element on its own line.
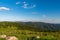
<point>11,38</point>
<point>2,36</point>
<point>38,37</point>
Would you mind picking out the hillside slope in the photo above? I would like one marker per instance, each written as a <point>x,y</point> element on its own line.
<point>32,26</point>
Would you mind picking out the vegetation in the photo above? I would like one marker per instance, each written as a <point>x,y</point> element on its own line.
<point>25,30</point>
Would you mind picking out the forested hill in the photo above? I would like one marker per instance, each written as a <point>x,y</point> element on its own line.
<point>33,26</point>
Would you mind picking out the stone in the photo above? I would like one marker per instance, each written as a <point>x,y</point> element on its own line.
<point>2,36</point>
<point>11,38</point>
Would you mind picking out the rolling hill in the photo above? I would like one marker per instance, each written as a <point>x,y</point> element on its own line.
<point>32,26</point>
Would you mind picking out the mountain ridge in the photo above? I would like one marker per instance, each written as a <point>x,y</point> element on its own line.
<point>33,26</point>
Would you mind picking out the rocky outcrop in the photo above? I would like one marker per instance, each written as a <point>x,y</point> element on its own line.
<point>3,36</point>
<point>8,37</point>
<point>11,38</point>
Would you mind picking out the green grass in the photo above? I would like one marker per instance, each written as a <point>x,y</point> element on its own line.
<point>24,34</point>
<point>12,30</point>
<point>2,39</point>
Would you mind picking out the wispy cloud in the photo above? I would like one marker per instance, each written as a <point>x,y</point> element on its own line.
<point>27,5</point>
<point>4,8</point>
<point>17,3</point>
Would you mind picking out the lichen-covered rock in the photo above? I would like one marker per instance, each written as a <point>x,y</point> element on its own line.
<point>11,38</point>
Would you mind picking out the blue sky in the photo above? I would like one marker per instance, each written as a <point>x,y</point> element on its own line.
<point>30,10</point>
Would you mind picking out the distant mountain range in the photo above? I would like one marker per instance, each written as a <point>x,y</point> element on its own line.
<point>33,26</point>
<point>41,26</point>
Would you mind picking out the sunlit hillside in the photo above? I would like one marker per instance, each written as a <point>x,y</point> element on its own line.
<point>28,29</point>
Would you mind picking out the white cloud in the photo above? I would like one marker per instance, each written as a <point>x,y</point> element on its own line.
<point>17,3</point>
<point>27,6</point>
<point>4,8</point>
